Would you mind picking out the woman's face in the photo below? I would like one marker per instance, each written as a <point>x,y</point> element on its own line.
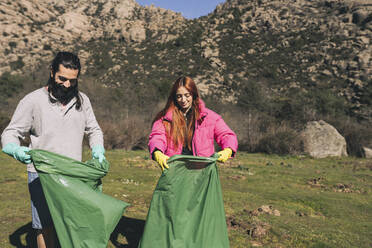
<point>184,98</point>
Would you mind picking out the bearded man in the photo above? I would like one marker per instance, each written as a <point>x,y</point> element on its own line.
<point>56,117</point>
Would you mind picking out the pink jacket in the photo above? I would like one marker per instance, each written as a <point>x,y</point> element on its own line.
<point>208,128</point>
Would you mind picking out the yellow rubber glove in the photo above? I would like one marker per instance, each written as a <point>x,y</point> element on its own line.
<point>161,159</point>
<point>225,154</point>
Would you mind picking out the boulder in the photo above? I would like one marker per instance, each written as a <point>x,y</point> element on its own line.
<point>360,16</point>
<point>125,9</point>
<point>367,152</point>
<point>136,32</point>
<point>74,22</point>
<point>322,140</point>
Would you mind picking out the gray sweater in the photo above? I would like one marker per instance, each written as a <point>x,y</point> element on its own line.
<point>52,126</point>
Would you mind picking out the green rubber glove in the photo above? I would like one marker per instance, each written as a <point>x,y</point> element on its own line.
<point>161,159</point>
<point>98,153</point>
<point>18,152</point>
<point>224,155</point>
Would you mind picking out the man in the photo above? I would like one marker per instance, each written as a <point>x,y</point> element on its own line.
<point>56,117</point>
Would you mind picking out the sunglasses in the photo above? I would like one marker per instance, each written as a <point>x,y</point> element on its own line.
<point>72,81</point>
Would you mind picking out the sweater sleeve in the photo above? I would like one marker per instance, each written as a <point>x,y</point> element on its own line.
<point>92,129</point>
<point>224,136</point>
<point>157,138</point>
<point>20,124</point>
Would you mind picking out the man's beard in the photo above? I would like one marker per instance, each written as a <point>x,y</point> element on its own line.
<point>61,93</point>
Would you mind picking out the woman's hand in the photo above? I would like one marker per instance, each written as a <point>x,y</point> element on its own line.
<point>225,154</point>
<point>161,159</point>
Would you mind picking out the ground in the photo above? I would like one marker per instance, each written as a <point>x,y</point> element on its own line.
<point>269,200</point>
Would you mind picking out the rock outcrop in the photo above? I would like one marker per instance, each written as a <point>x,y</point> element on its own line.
<point>367,152</point>
<point>30,28</point>
<point>282,44</point>
<point>323,140</point>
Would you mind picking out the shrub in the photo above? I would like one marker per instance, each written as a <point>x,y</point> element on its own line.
<point>47,47</point>
<point>130,133</point>
<point>13,44</point>
<point>9,85</point>
<point>246,126</point>
<point>258,132</point>
<point>357,135</point>
<point>280,143</point>
<point>15,65</point>
<point>4,121</point>
<point>283,140</point>
<point>252,96</point>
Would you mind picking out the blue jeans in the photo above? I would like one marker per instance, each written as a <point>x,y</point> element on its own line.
<point>40,212</point>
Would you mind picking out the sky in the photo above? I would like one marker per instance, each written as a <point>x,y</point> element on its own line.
<point>188,8</point>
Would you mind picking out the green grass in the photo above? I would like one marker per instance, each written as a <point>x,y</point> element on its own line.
<point>308,193</point>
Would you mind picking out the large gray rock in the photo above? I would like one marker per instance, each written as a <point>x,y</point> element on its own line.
<point>360,16</point>
<point>322,140</point>
<point>367,152</point>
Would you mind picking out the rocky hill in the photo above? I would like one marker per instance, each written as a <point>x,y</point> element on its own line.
<point>290,42</point>
<point>294,43</point>
<point>31,31</point>
<point>290,59</point>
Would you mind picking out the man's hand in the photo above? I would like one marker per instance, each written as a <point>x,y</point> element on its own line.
<point>98,153</point>
<point>225,154</point>
<point>18,152</point>
<point>161,158</point>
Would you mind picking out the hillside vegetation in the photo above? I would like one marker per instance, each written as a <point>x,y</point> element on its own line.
<point>267,66</point>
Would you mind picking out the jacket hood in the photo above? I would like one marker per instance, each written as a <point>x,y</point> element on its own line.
<point>169,115</point>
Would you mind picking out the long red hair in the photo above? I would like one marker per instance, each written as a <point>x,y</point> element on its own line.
<point>177,130</point>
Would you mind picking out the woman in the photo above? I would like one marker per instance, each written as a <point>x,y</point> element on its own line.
<point>185,126</point>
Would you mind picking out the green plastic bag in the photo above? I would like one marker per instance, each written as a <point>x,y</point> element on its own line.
<point>82,215</point>
<point>186,209</point>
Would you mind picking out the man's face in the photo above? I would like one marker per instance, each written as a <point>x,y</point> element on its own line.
<point>66,77</point>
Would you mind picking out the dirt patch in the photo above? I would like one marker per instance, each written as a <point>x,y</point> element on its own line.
<point>259,230</point>
<point>316,182</point>
<point>247,222</point>
<point>253,229</point>
<point>345,188</point>
<point>286,165</point>
<point>255,244</point>
<point>339,187</point>
<point>269,163</point>
<point>237,177</point>
<point>264,209</point>
<point>235,223</point>
<point>301,214</point>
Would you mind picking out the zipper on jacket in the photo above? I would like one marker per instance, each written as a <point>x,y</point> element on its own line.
<point>193,136</point>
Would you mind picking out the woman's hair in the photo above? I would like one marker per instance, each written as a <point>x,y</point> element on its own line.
<point>177,131</point>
